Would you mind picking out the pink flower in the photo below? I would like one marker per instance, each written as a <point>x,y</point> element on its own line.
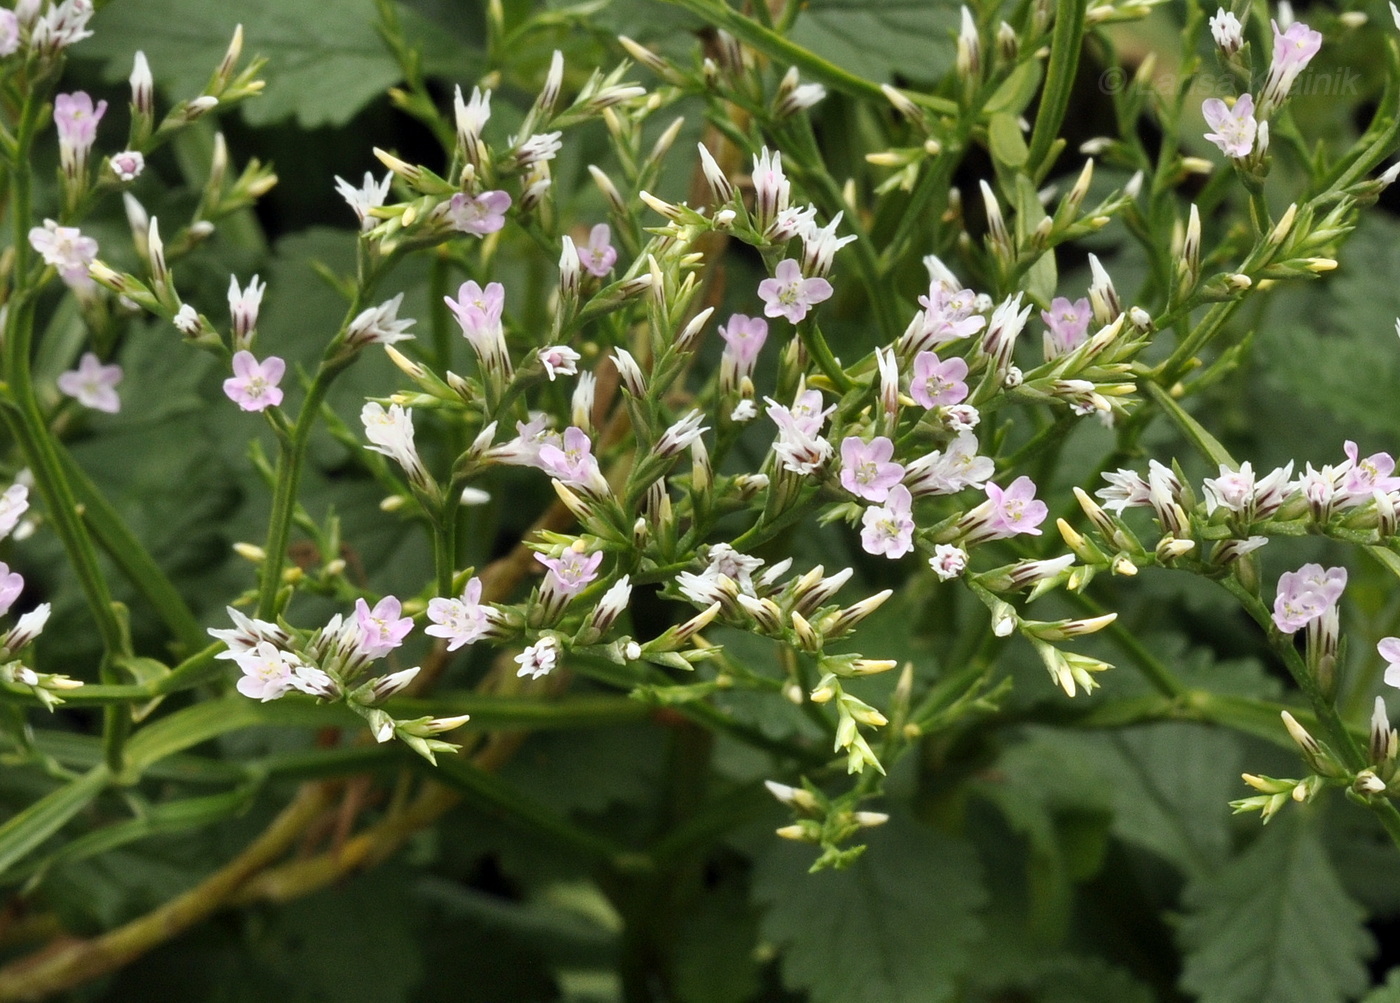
<point>11,584</point>
<point>1307,594</point>
<point>574,462</point>
<point>381,629</point>
<point>461,621</point>
<point>570,573</point>
<point>93,384</point>
<point>1234,127</point>
<point>790,295</point>
<point>889,529</point>
<point>935,384</point>
<point>253,386</point>
<point>482,214</point>
<point>76,119</point>
<point>558,359</point>
<point>743,338</point>
<point>127,165</point>
<point>1293,50</point>
<point>9,33</point>
<point>866,470</point>
<point>1389,648</point>
<point>478,312</point>
<point>1006,512</point>
<point>268,672</point>
<point>539,658</point>
<point>599,256</point>
<point>948,561</point>
<point>1068,325</point>
<point>66,249</point>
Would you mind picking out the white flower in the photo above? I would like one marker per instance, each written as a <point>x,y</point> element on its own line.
<point>539,658</point>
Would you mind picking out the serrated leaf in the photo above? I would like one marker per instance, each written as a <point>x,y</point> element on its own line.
<point>1332,344</point>
<point>325,59</point>
<point>1274,925</point>
<point>878,39</point>
<point>897,926</point>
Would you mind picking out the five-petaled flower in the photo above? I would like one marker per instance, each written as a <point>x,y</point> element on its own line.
<point>1235,127</point>
<point>92,384</point>
<point>253,386</point>
<point>479,214</point>
<point>788,294</point>
<point>599,256</point>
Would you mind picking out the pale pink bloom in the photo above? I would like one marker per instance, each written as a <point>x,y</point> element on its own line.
<point>599,256</point>
<point>1389,648</point>
<point>799,447</point>
<point>949,314</point>
<point>11,585</point>
<point>558,359</point>
<point>866,470</point>
<point>1293,50</point>
<point>481,214</point>
<point>743,338</point>
<point>1235,128</point>
<point>253,386</point>
<point>381,629</point>
<point>127,165</point>
<point>1007,512</point>
<point>1306,594</point>
<point>571,572</point>
<point>524,449</point>
<point>9,33</point>
<point>960,418</point>
<point>791,222</point>
<point>788,294</point>
<point>1067,325</point>
<point>889,528</point>
<point>13,504</point>
<point>67,250</point>
<point>478,312</point>
<point>539,659</point>
<point>935,384</point>
<point>573,462</point>
<point>76,119</point>
<point>370,195</point>
<point>461,621</point>
<point>1362,476</point>
<point>93,384</point>
<point>268,672</point>
<point>948,561</point>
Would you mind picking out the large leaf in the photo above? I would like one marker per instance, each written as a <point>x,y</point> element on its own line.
<point>1332,345</point>
<point>1274,925</point>
<point>896,926</point>
<point>325,58</point>
<point>878,39</point>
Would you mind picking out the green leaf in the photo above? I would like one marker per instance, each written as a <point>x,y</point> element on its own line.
<point>325,59</point>
<point>1007,143</point>
<point>1332,344</point>
<point>715,948</point>
<point>878,39</point>
<point>1275,925</point>
<point>896,926</point>
<point>1388,993</point>
<point>26,830</point>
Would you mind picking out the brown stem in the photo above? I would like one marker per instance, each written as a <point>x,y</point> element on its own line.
<point>75,961</point>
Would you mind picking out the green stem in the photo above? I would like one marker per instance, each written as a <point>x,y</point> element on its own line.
<point>786,53</point>
<point>285,494</point>
<point>1065,43</point>
<point>135,561</point>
